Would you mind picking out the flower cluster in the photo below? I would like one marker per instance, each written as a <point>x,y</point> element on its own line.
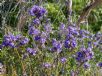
<point>44,41</point>
<point>84,55</point>
<point>71,37</point>
<point>13,41</point>
<point>31,51</point>
<point>56,46</point>
<point>37,11</point>
<point>33,30</point>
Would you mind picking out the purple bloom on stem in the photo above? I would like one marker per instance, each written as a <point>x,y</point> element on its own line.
<point>63,60</point>
<point>84,55</point>
<point>86,65</point>
<point>72,30</point>
<point>34,10</point>
<point>11,44</point>
<point>89,54</point>
<point>19,36</point>
<point>82,48</point>
<point>36,21</point>
<point>82,34</point>
<point>43,40</point>
<point>54,42</point>
<point>43,11</point>
<point>73,43</point>
<point>24,41</point>
<point>80,57</point>
<point>9,40</point>
<point>46,65</point>
<point>99,64</point>
<point>62,27</point>
<point>36,32</point>
<point>48,28</point>
<point>69,36</point>
<point>33,30</point>
<point>43,37</point>
<point>1,46</point>
<point>31,51</point>
<point>57,46</point>
<point>34,52</point>
<point>89,44</point>
<point>9,37</point>
<point>67,44</point>
<point>37,11</point>
<point>37,38</point>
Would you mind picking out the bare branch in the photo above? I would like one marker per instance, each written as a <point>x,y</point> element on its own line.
<point>87,10</point>
<point>69,10</point>
<point>22,16</point>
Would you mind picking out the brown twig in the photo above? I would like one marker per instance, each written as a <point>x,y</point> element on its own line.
<point>22,17</point>
<point>69,10</point>
<point>86,11</point>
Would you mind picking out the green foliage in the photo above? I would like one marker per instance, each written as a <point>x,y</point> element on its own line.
<point>55,13</point>
<point>95,20</point>
<point>9,10</point>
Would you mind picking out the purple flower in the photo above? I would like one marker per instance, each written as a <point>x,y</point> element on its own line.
<point>73,30</point>
<point>82,34</point>
<point>57,46</point>
<point>48,28</point>
<point>63,60</point>
<point>37,38</point>
<point>69,36</point>
<point>1,46</point>
<point>9,37</point>
<point>82,48</point>
<point>86,65</point>
<point>73,43</point>
<point>43,40</point>
<point>33,30</point>
<point>19,36</point>
<point>34,52</point>
<point>34,10</point>
<point>62,27</point>
<point>12,44</point>
<point>89,44</point>
<point>54,42</point>
<point>46,65</point>
<point>43,37</point>
<point>31,51</point>
<point>84,55</point>
<point>36,21</point>
<point>67,43</point>
<point>9,40</point>
<point>37,11</point>
<point>99,64</point>
<point>88,54</point>
<point>80,57</point>
<point>24,41</point>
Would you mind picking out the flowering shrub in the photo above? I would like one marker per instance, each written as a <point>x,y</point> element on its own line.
<point>44,51</point>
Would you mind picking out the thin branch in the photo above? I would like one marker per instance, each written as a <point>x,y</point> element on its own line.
<point>22,16</point>
<point>69,11</point>
<point>86,11</point>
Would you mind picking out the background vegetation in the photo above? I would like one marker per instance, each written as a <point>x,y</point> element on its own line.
<point>14,18</point>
